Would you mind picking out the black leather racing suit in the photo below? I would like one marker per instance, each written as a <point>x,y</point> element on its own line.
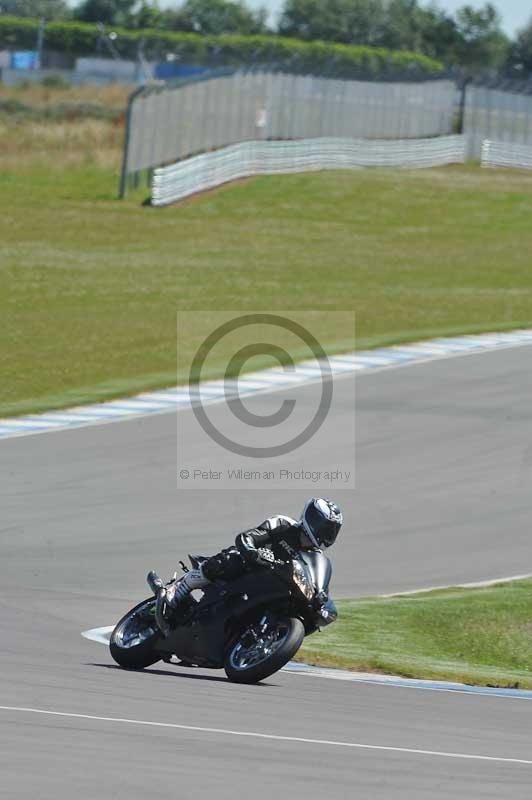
<point>280,534</point>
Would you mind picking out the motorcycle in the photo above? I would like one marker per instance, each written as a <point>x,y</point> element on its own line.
<point>250,627</point>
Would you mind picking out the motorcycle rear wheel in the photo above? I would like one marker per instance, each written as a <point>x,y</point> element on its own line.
<point>251,658</point>
<point>133,639</point>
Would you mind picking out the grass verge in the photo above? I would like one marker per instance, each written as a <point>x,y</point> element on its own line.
<point>474,636</point>
<point>90,287</point>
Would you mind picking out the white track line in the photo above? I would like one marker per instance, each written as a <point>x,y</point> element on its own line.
<point>474,585</point>
<point>272,737</point>
<point>99,635</point>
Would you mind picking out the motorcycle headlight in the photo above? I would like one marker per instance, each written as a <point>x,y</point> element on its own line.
<point>299,576</point>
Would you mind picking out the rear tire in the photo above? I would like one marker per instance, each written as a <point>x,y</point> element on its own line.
<point>134,637</point>
<point>250,664</point>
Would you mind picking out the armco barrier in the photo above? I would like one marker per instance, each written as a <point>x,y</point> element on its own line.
<point>209,170</point>
<point>506,154</point>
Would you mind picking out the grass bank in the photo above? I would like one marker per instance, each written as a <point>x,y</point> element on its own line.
<point>89,286</point>
<point>475,636</point>
<point>51,128</point>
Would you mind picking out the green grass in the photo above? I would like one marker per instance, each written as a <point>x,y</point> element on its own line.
<point>90,287</point>
<point>475,636</point>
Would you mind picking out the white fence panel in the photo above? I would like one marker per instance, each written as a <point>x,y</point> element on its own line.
<point>225,109</point>
<point>506,154</point>
<point>498,116</point>
<point>245,159</point>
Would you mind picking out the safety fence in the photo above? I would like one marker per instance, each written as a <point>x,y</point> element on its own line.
<point>174,121</point>
<point>206,171</point>
<point>190,119</point>
<point>506,154</point>
<point>502,116</point>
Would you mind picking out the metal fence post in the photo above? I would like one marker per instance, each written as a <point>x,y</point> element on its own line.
<point>125,155</point>
<point>40,42</point>
<point>463,99</point>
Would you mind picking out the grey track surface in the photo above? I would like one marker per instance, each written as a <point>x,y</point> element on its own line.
<point>444,459</point>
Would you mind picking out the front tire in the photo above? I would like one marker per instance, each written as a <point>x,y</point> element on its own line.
<point>251,659</point>
<point>134,637</point>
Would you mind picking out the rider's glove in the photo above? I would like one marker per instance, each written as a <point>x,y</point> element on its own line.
<point>265,557</point>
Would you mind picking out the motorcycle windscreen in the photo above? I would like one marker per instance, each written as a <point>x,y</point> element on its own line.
<point>320,569</point>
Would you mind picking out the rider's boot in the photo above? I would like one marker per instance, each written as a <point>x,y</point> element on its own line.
<point>177,592</point>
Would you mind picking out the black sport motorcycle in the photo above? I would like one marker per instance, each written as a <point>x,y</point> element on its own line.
<point>251,626</point>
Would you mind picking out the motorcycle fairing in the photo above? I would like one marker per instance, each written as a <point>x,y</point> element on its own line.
<point>201,637</point>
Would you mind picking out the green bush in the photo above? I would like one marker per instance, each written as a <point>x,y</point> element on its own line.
<point>18,111</point>
<point>79,39</point>
<point>55,82</point>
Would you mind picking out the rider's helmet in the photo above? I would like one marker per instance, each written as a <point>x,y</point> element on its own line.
<point>321,521</point>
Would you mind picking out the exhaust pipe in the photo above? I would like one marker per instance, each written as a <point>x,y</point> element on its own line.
<point>157,586</point>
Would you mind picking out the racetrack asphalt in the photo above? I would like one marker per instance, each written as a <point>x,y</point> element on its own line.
<point>444,459</point>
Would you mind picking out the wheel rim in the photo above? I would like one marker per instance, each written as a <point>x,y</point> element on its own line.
<point>137,628</point>
<point>256,646</point>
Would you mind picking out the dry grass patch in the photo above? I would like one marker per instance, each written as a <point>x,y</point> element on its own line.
<point>65,126</point>
<point>29,144</point>
<point>39,96</point>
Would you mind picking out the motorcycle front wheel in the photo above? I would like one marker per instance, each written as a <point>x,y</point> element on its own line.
<point>133,639</point>
<point>256,654</point>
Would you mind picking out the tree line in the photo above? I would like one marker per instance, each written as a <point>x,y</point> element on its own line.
<point>470,39</point>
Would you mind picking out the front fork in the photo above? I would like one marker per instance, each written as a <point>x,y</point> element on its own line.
<point>257,631</point>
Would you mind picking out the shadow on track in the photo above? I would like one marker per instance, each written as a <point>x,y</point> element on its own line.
<point>172,674</point>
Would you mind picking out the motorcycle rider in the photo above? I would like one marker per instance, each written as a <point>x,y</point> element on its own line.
<point>278,537</point>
